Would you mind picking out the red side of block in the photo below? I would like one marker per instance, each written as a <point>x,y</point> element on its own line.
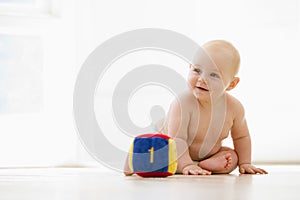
<point>153,174</point>
<point>153,135</point>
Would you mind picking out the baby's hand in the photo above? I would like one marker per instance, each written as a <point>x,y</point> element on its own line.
<point>195,170</point>
<point>250,169</point>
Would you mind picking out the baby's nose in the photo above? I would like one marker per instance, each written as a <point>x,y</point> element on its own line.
<point>201,79</point>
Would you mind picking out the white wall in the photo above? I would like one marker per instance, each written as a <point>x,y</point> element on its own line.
<point>267,36</point>
<point>266,32</point>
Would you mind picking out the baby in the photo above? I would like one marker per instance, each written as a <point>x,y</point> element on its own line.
<point>201,118</point>
<point>205,115</point>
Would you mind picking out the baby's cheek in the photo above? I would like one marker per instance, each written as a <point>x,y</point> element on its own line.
<point>191,81</point>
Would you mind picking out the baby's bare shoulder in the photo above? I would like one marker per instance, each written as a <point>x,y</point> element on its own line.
<point>185,102</point>
<point>234,104</point>
<point>186,98</point>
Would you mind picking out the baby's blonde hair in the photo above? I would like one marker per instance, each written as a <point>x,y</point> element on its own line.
<point>226,46</point>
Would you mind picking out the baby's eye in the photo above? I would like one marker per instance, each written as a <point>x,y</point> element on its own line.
<point>198,70</point>
<point>214,75</point>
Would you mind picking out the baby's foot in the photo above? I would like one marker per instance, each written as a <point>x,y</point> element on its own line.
<point>219,164</point>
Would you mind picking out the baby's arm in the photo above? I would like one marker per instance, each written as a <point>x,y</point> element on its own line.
<point>177,122</point>
<point>242,142</point>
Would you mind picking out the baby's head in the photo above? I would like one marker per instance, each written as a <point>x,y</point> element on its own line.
<point>224,55</point>
<point>214,68</point>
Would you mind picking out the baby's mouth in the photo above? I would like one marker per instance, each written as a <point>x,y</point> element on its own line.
<point>202,88</point>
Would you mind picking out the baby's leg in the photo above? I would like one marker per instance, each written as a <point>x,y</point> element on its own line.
<point>223,162</point>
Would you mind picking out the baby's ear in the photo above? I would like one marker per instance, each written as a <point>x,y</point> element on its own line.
<point>233,83</point>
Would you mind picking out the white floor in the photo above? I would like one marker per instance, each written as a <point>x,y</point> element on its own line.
<point>282,182</point>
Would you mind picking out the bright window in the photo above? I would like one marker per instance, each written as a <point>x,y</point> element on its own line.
<point>20,74</point>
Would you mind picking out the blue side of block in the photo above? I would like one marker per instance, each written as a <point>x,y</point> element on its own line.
<point>141,155</point>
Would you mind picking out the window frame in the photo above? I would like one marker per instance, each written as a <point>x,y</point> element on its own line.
<point>38,8</point>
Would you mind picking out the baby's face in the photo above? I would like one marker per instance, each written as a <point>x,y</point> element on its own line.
<point>212,74</point>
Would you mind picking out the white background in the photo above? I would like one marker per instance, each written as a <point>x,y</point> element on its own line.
<point>266,32</point>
